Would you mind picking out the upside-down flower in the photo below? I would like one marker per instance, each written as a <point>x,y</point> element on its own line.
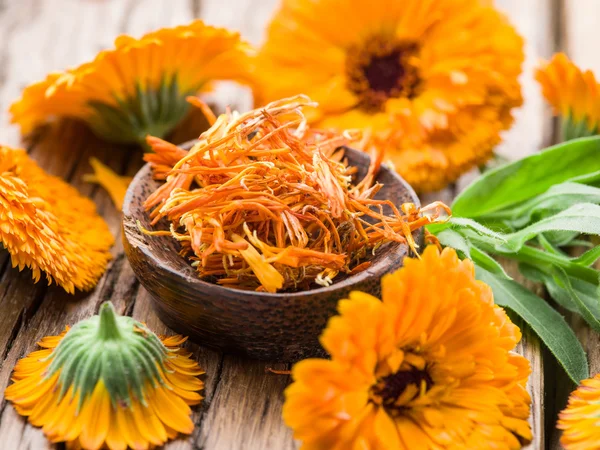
<point>579,420</point>
<point>433,80</point>
<point>46,225</point>
<point>139,87</point>
<point>108,382</point>
<point>428,367</point>
<point>573,94</point>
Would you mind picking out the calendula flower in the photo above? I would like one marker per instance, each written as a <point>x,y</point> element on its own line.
<point>573,94</point>
<point>579,421</point>
<point>115,185</point>
<point>434,81</point>
<point>428,367</point>
<point>108,382</point>
<point>139,87</point>
<point>46,225</point>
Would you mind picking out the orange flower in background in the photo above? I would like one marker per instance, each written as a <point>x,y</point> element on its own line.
<point>139,87</point>
<point>573,94</point>
<point>435,81</point>
<point>579,420</point>
<point>46,225</point>
<point>430,366</point>
<point>109,382</point>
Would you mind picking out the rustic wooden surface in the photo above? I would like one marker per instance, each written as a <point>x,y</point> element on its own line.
<point>243,403</point>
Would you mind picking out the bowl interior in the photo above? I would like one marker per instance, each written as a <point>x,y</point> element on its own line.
<point>283,326</point>
<point>164,250</point>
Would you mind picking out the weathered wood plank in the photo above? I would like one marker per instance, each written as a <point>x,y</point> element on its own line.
<point>242,408</point>
<point>533,130</point>
<point>246,408</point>
<point>578,30</point>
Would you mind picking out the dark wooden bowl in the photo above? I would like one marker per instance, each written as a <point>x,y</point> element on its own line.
<point>276,327</point>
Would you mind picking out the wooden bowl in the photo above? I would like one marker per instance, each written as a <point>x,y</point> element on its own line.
<point>276,327</point>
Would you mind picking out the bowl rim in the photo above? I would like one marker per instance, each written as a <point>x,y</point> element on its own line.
<point>344,284</point>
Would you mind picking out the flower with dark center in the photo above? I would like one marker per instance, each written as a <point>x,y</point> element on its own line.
<point>382,69</point>
<point>428,366</point>
<point>405,384</point>
<point>432,83</point>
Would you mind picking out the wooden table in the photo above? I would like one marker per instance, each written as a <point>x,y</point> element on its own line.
<point>242,409</point>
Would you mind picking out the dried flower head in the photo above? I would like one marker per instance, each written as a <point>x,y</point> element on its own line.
<point>579,420</point>
<point>108,382</point>
<point>264,201</point>
<point>430,366</point>
<point>139,87</point>
<point>434,81</point>
<point>46,225</point>
<point>573,94</point>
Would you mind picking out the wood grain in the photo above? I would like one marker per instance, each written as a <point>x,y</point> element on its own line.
<point>578,28</point>
<point>533,130</point>
<point>242,406</point>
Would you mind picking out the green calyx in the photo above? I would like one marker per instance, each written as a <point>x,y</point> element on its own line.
<point>118,350</point>
<point>573,129</point>
<point>152,111</point>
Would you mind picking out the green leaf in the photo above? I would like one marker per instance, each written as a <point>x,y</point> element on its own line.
<point>573,129</point>
<point>459,223</point>
<point>555,199</point>
<point>583,218</point>
<point>588,311</point>
<point>544,321</point>
<point>589,257</point>
<point>485,261</point>
<point>451,238</point>
<point>588,178</point>
<point>523,179</point>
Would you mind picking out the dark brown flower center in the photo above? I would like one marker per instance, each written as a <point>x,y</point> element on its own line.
<point>391,390</point>
<point>382,68</point>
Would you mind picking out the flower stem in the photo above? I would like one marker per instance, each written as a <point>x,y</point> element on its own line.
<point>108,327</point>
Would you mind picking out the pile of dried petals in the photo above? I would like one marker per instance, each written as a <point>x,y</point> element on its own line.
<point>264,202</point>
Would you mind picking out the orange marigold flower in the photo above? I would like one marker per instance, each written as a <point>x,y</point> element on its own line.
<point>430,366</point>
<point>46,225</point>
<point>139,87</point>
<point>573,94</point>
<point>579,420</point>
<point>108,382</point>
<point>435,81</point>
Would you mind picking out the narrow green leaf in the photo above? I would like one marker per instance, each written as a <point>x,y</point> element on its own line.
<point>530,176</point>
<point>488,263</point>
<point>545,322</point>
<point>555,199</point>
<point>580,243</point>
<point>459,223</point>
<point>549,246</point>
<point>454,239</point>
<point>451,238</point>
<point>588,178</point>
<point>558,294</point>
<point>590,315</point>
<point>583,218</point>
<point>589,257</point>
